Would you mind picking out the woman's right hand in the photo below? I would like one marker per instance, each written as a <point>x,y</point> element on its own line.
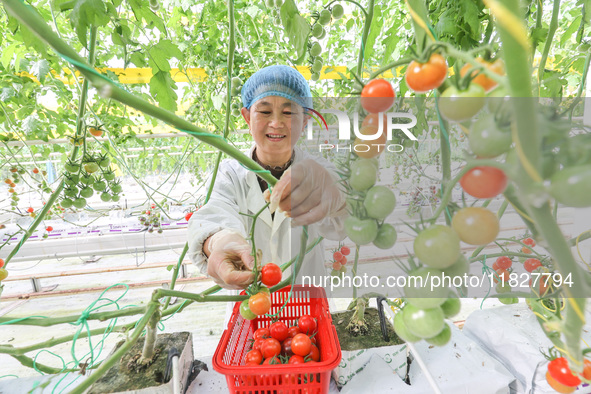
<point>230,262</point>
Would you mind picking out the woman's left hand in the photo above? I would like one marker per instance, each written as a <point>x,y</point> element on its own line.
<point>307,193</point>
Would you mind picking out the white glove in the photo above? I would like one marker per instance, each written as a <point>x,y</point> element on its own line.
<point>307,193</point>
<point>230,262</point>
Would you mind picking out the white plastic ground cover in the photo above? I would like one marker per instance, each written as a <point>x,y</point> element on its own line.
<point>513,336</point>
<point>460,367</point>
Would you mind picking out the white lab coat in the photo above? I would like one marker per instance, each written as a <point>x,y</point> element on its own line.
<point>237,191</point>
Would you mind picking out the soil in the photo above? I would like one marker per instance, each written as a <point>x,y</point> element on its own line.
<point>127,374</point>
<point>374,336</point>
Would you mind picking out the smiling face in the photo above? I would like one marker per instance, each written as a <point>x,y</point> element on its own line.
<point>275,124</point>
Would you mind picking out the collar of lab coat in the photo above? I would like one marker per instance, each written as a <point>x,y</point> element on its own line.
<point>255,200</point>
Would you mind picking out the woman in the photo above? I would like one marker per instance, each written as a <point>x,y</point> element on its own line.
<point>275,100</point>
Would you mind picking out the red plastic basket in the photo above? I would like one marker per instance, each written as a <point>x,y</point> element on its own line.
<point>287,379</point>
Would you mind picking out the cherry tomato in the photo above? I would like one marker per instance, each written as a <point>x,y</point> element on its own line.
<point>456,105</point>
<point>487,139</point>
<point>278,330</point>
<point>531,264</point>
<point>586,374</point>
<point>379,202</point>
<point>261,333</point>
<point>386,237</point>
<point>253,356</point>
<point>484,182</point>
<point>259,303</point>
<point>476,225</point>
<point>451,307</point>
<point>421,295</point>
<point>97,132</point>
<point>336,265</point>
<point>271,274</point>
<point>345,250</point>
<point>503,262</point>
<point>295,359</point>
<point>361,231</point>
<point>437,246</point>
<point>560,388</point>
<point>314,354</point>
<point>423,323</point>
<point>245,311</point>
<point>272,361</point>
<point>401,329</point>
<point>571,186</point>
<point>35,171</point>
<point>343,260</point>
<point>256,345</point>
<point>529,242</point>
<point>188,216</point>
<point>49,229</point>
<point>422,77</point>
<point>498,67</point>
<point>526,250</point>
<point>363,175</point>
<point>442,338</point>
<point>377,96</point>
<point>502,275</point>
<point>286,347</point>
<point>301,345</point>
<point>337,256</point>
<point>270,347</point>
<point>3,274</point>
<point>1,263</point>
<point>307,324</point>
<point>560,371</point>
<point>293,331</point>
<point>30,210</point>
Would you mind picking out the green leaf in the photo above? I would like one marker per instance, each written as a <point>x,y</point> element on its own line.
<point>572,28</point>
<point>40,69</point>
<point>217,101</point>
<point>376,27</point>
<point>297,28</point>
<point>85,14</point>
<point>446,26</point>
<point>391,40</point>
<point>161,52</point>
<point>7,53</point>
<point>469,11</point>
<point>7,93</point>
<point>138,59</point>
<point>252,11</point>
<point>169,267</point>
<point>162,88</point>
<point>30,124</point>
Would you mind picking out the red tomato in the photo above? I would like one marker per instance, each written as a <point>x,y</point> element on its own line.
<point>49,229</point>
<point>261,333</point>
<point>271,361</point>
<point>314,354</point>
<point>270,347</point>
<point>495,266</point>
<point>484,182</point>
<point>30,210</point>
<point>560,371</point>
<point>503,275</point>
<point>301,345</point>
<point>293,331</point>
<point>96,131</point>
<point>257,344</point>
<point>35,171</point>
<point>345,250</point>
<point>286,347</point>
<point>259,303</point>
<point>337,256</point>
<point>188,216</point>
<point>377,96</point>
<point>343,261</point>
<point>1,263</point>
<point>278,330</point>
<point>336,265</point>
<point>526,250</point>
<point>531,264</point>
<point>271,274</point>
<point>307,324</point>
<point>295,359</point>
<point>530,242</point>
<point>422,77</point>
<point>503,262</point>
<point>254,356</point>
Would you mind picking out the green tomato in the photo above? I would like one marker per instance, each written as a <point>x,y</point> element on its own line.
<point>451,307</point>
<point>442,338</point>
<point>72,167</point>
<point>361,231</point>
<point>67,203</point>
<point>87,179</point>
<point>236,113</point>
<point>364,175</point>
<point>116,188</point>
<point>71,192</point>
<point>386,237</point>
<point>79,202</point>
<point>423,323</point>
<point>401,329</point>
<point>437,246</point>
<point>459,268</point>
<point>315,49</point>
<point>105,196</point>
<point>337,11</point>
<point>379,202</point>
<point>104,162</point>
<point>324,18</point>
<point>418,290</point>
<point>72,180</point>
<point>278,3</point>
<point>572,186</point>
<point>503,287</point>
<point>499,103</point>
<point>317,66</point>
<point>115,197</point>
<point>509,300</point>
<point>99,186</point>
<point>487,139</point>
<point>315,76</point>
<point>87,192</point>
<point>109,175</point>
<point>91,167</point>
<point>317,30</point>
<point>245,311</point>
<point>269,3</point>
<point>455,105</point>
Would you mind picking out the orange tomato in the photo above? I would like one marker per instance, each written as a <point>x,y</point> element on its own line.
<point>498,67</point>
<point>559,387</point>
<point>259,303</point>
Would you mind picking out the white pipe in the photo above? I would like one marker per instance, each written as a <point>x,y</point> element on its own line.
<point>176,376</point>
<point>417,357</point>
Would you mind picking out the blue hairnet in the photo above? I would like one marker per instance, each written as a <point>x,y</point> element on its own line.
<point>278,80</point>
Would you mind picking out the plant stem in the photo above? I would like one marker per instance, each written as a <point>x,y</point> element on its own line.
<point>445,159</point>
<point>551,30</point>
<point>389,66</point>
<point>366,27</point>
<point>150,339</point>
<point>175,273</point>
<point>108,363</point>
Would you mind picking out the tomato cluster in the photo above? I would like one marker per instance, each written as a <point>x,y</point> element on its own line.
<point>371,206</point>
<point>15,177</point>
<point>280,344</point>
<point>340,260</point>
